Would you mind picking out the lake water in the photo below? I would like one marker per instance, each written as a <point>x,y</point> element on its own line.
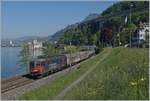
<point>9,65</point>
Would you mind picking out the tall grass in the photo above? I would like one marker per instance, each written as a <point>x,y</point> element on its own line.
<point>122,76</point>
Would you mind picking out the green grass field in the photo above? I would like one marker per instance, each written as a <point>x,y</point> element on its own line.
<point>124,74</point>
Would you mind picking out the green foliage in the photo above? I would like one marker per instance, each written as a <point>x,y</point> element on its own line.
<point>136,18</point>
<point>125,5</point>
<point>125,34</point>
<point>71,35</point>
<point>98,49</point>
<point>131,26</point>
<point>117,21</point>
<point>140,17</point>
<point>93,39</point>
<point>98,35</point>
<point>71,49</point>
<point>80,36</point>
<point>146,42</point>
<point>91,34</point>
<point>49,50</point>
<point>24,56</point>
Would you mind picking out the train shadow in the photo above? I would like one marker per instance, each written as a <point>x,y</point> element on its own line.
<point>29,76</point>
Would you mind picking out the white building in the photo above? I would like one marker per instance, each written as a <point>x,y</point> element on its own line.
<point>139,36</point>
<point>11,43</point>
<point>36,48</point>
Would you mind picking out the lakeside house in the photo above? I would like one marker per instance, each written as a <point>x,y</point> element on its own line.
<point>11,44</point>
<point>140,36</point>
<point>36,48</point>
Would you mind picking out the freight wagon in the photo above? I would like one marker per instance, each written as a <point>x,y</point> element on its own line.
<point>44,66</point>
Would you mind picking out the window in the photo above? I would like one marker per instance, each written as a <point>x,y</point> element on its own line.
<point>38,63</point>
<point>146,30</point>
<point>32,64</point>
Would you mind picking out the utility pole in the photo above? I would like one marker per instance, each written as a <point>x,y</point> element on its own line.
<point>130,38</point>
<point>55,46</point>
<point>70,54</point>
<point>33,49</point>
<point>130,24</point>
<point>119,36</point>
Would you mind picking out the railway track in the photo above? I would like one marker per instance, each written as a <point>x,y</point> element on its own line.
<point>18,81</point>
<point>10,79</point>
<point>15,82</point>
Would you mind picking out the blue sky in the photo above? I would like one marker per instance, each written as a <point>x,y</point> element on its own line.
<point>44,18</point>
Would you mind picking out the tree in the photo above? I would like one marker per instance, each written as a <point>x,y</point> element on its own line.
<point>125,5</point>
<point>48,50</point>
<point>146,42</point>
<point>24,56</point>
<point>131,26</point>
<point>98,35</point>
<point>140,16</point>
<point>70,49</point>
<point>125,34</point>
<point>93,39</point>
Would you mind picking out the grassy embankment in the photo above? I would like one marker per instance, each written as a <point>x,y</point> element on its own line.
<point>56,86</point>
<point>125,75</point>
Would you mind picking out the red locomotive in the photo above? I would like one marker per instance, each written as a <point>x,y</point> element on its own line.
<point>43,66</point>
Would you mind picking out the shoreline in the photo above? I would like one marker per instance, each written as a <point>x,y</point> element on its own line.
<point>8,78</point>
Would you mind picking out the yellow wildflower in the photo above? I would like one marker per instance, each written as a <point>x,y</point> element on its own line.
<point>133,83</point>
<point>142,79</point>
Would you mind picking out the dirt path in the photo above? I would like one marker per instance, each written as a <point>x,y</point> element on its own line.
<point>64,92</point>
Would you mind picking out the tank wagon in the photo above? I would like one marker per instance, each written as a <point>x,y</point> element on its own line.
<point>44,66</point>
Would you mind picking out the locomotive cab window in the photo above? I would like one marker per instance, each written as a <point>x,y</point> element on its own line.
<point>38,63</point>
<point>32,64</point>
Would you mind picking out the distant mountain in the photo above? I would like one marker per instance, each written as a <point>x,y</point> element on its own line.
<point>60,33</point>
<point>30,38</point>
<point>18,41</point>
<point>109,26</point>
<point>91,16</point>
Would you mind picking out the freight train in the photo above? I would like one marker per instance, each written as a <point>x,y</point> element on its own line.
<point>44,66</point>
